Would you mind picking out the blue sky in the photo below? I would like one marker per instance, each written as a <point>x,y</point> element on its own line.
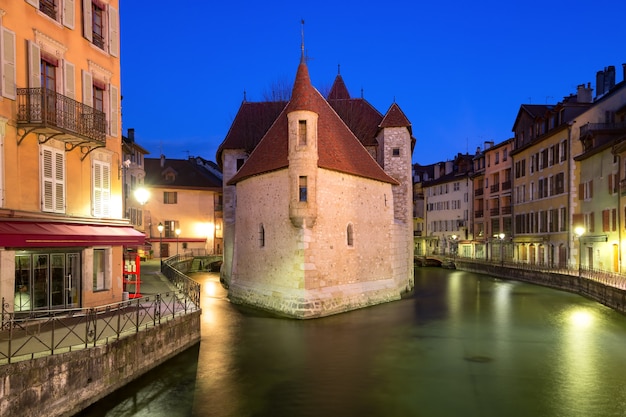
<point>459,70</point>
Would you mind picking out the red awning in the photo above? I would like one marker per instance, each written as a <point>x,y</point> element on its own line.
<point>17,234</point>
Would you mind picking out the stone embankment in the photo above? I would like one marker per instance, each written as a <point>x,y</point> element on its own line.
<point>610,296</point>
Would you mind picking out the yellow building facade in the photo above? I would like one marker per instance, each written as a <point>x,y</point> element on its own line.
<point>62,232</point>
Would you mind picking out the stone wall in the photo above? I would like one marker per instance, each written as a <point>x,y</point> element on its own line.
<point>612,297</point>
<point>64,384</point>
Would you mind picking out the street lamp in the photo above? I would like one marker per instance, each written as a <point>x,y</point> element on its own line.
<point>160,229</point>
<point>177,234</point>
<point>579,231</point>
<point>454,247</point>
<point>142,195</point>
<point>501,237</point>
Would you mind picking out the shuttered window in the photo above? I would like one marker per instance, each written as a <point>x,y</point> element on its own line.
<point>53,180</point>
<point>7,63</point>
<point>101,189</point>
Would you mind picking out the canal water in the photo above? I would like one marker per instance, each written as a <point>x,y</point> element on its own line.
<point>461,344</point>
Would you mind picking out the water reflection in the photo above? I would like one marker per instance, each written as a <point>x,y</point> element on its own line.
<point>461,344</point>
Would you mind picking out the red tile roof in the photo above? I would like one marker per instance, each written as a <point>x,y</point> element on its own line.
<point>338,148</point>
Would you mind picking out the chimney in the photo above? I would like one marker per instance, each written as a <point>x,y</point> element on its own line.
<point>584,95</point>
<point>488,144</point>
<point>599,83</point>
<point>609,78</point>
<point>437,171</point>
<point>131,134</point>
<point>449,167</point>
<point>162,161</point>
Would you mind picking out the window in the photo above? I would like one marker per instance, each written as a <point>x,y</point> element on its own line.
<point>560,183</point>
<point>395,151</point>
<point>350,235</point>
<point>497,158</point>
<point>563,151</point>
<point>302,132</point>
<point>99,270</point>
<point>98,98</point>
<point>101,189</point>
<point>302,186</point>
<point>239,163</point>
<point>505,155</point>
<point>101,25</point>
<point>261,235</point>
<point>170,197</point>
<point>52,180</point>
<point>7,63</point>
<point>170,228</point>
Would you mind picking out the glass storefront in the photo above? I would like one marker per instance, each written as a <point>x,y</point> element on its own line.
<point>47,280</point>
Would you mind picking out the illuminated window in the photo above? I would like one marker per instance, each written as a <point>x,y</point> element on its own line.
<point>303,189</point>
<point>170,197</point>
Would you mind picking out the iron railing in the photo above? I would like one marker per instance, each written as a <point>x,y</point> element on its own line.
<point>47,108</point>
<point>27,335</point>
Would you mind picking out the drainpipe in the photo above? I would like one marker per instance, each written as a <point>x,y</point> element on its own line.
<point>569,200</point>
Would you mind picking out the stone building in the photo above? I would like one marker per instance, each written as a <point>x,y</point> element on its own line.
<point>317,203</point>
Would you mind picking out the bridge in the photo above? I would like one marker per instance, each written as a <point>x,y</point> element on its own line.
<point>207,263</point>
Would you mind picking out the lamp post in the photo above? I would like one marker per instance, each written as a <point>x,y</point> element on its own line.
<point>501,237</point>
<point>453,248</point>
<point>177,234</point>
<point>160,229</point>
<point>579,231</point>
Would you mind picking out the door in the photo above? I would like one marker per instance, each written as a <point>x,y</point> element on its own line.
<point>40,282</point>
<point>72,280</point>
<point>57,280</point>
<point>165,250</point>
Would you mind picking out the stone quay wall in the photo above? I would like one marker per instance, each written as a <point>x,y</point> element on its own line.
<point>612,297</point>
<point>64,384</point>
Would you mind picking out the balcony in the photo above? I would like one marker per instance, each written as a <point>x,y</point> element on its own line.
<point>506,185</point>
<point>479,214</point>
<point>479,191</point>
<point>50,114</point>
<point>591,128</point>
<point>495,211</point>
<point>506,209</point>
<point>495,188</point>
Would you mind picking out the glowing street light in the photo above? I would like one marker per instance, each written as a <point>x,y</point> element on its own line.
<point>501,237</point>
<point>453,247</point>
<point>160,229</point>
<point>579,231</point>
<point>177,234</point>
<point>142,195</point>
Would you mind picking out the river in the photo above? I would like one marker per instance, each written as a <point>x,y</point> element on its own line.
<point>461,344</point>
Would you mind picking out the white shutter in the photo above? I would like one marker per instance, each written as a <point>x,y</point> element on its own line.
<point>34,65</point>
<point>47,180</point>
<point>7,66</point>
<point>69,13</point>
<point>87,20</point>
<point>53,180</point>
<point>114,101</point>
<point>59,183</point>
<point>114,32</point>
<point>87,89</point>
<point>34,3</point>
<point>70,79</point>
<point>101,189</point>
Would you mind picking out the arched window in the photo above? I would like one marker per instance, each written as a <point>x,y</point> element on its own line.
<point>350,235</point>
<point>261,235</point>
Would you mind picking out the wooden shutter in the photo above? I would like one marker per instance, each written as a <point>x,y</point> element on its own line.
<point>7,66</point>
<point>101,189</point>
<point>69,79</point>
<point>69,13</point>
<point>610,183</point>
<point>577,220</point>
<point>59,184</point>
<point>605,220</point>
<point>114,105</point>
<point>87,89</point>
<point>114,32</point>
<point>53,180</point>
<point>34,65</point>
<point>87,20</point>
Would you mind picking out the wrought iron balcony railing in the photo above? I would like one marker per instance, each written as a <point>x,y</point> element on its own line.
<point>479,191</point>
<point>495,188</point>
<point>506,185</point>
<point>605,127</point>
<point>495,211</point>
<point>40,107</point>
<point>479,214</point>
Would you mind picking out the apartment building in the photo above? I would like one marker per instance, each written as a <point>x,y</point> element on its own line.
<point>448,204</point>
<point>492,179</point>
<point>62,229</point>
<point>421,174</point>
<point>600,132</point>
<point>184,212</point>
